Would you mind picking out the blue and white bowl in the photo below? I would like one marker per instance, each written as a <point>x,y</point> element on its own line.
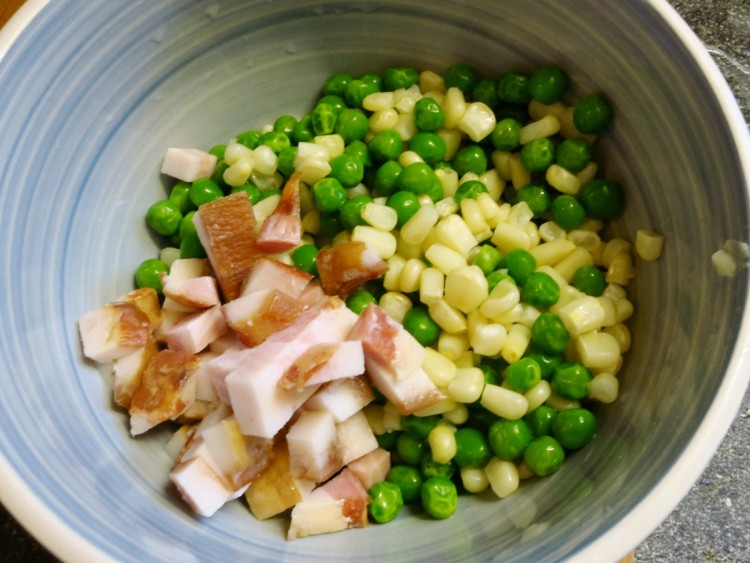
<point>92,94</point>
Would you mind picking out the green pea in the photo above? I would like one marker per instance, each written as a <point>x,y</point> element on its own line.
<point>521,264</point>
<point>547,362</point>
<point>523,374</point>
<point>187,227</point>
<point>275,140</point>
<point>351,211</point>
<point>540,290</point>
<point>348,170</point>
<point>590,280</point>
<point>461,76</point>
<point>496,277</point>
<point>385,501</point>
<point>408,478</point>
<point>469,189</point>
<point>386,178</point>
<point>485,92</point>
<point>439,497</point>
<point>388,440</point>
<point>410,449</point>
<point>487,258</point>
<point>352,125</point>
<point>506,136</point>
<point>286,160</point>
<point>538,155</point>
<point>547,84</point>
<point>430,146</point>
<point>479,417</point>
<point>303,131</point>
<point>204,190</point>
<point>191,246</point>
<point>431,468</point>
<point>420,325</point>
<point>436,192</point>
<point>217,176</point>
<point>405,204</point>
<point>540,420</point>
<point>544,455</point>
<point>329,195</point>
<point>470,158</point>
<point>571,380</point>
<point>360,300</point>
<point>491,370</point>
<point>399,77</point>
<point>148,274</point>
<point>265,194</point>
<point>573,154</point>
<point>218,151</point>
<point>358,149</point>
<point>574,428</point>
<point>592,114</point>
<point>602,199</point>
<point>537,197</point>
<point>180,195</point>
<point>509,439</point>
<point>514,88</point>
<point>253,192</point>
<point>330,224</point>
<point>305,257</point>
<point>337,103</point>
<point>323,119</point>
<point>335,85</point>
<point>357,90</point>
<point>251,139</point>
<point>285,124</point>
<point>386,145</point>
<point>419,426</point>
<point>549,334</point>
<point>428,115</point>
<point>372,78</point>
<point>567,212</point>
<point>472,448</point>
<point>164,217</point>
<point>417,178</point>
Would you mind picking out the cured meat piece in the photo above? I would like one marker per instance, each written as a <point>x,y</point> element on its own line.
<point>342,397</point>
<point>354,438</point>
<point>312,440</point>
<point>200,486</point>
<point>371,467</point>
<point>128,371</point>
<point>268,273</point>
<point>196,331</point>
<point>188,164</point>
<point>257,315</point>
<point>347,266</point>
<point>282,230</point>
<point>114,330</point>
<point>195,293</point>
<point>324,363</point>
<point>226,228</point>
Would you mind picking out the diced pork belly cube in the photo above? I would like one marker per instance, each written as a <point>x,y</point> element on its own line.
<point>342,398</point>
<point>196,331</point>
<point>188,164</point>
<point>347,266</point>
<point>220,367</point>
<point>165,391</point>
<point>225,343</point>
<point>128,371</point>
<point>114,330</point>
<point>226,228</point>
<point>256,316</point>
<point>329,321</point>
<point>269,273</point>
<point>371,467</point>
<point>200,486</point>
<point>324,363</point>
<point>393,360</point>
<point>147,301</point>
<point>196,411</point>
<point>313,294</point>
<point>195,293</point>
<point>339,504</point>
<point>276,489</point>
<point>204,387</point>
<point>189,268</point>
<point>179,439</point>
<point>312,443</point>
<point>282,230</point>
<point>354,438</point>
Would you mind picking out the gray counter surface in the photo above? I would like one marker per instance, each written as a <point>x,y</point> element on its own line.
<point>712,523</point>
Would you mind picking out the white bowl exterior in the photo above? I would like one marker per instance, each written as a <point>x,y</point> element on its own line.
<point>100,91</point>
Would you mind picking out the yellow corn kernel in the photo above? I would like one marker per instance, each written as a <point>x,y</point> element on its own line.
<point>445,207</point>
<point>524,471</point>
<point>439,368</point>
<point>442,441</point>
<point>560,403</point>
<point>610,314</point>
<point>405,127</point>
<point>568,293</point>
<point>489,208</point>
<point>419,225</point>
<point>519,176</point>
<point>264,208</point>
<point>614,247</point>
<point>447,317</point>
<point>550,231</point>
<point>380,217</point>
<point>589,240</point>
<point>501,161</point>
<point>538,110</point>
<point>311,222</point>
<point>562,180</point>
<point>520,214</point>
<point>431,285</point>
<point>553,252</point>
<point>582,315</point>
<point>494,182</point>
<point>516,343</point>
<point>374,414</point>
<point>614,292</point>
<point>408,251</point>
<point>452,139</point>
<point>508,236</point>
<point>568,266</point>
<point>529,314</point>
<point>503,297</point>
<point>312,169</point>
<point>409,157</point>
<point>465,288</point>
<point>623,310</point>
<point>404,99</point>
<point>588,173</point>
<point>473,320</point>
<point>468,360</point>
<point>341,238</point>
<point>621,333</point>
<point>474,479</point>
<point>458,415</point>
<point>502,476</point>
<point>391,278</point>
<point>358,190</point>
<point>265,160</point>
<point>443,258</point>
<point>452,346</point>
<point>381,242</point>
<point>396,305</point>
<point>597,349</point>
<point>488,339</point>
<point>383,119</point>
<point>467,386</point>
<point>436,95</point>
<point>235,151</point>
<point>429,80</point>
<point>238,173</point>
<point>334,144</point>
<point>379,101</point>
<point>537,395</point>
<point>454,106</point>
<point>648,244</point>
<point>454,233</point>
<point>391,417</point>
<point>551,272</point>
<point>503,402</point>
<point>604,388</point>
<point>441,407</point>
<point>472,216</point>
<point>620,270</point>
<point>477,121</point>
<point>568,129</point>
<point>545,127</point>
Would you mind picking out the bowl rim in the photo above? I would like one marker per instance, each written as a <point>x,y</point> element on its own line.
<point>67,544</point>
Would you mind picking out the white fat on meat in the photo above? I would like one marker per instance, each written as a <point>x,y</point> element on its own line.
<point>354,438</point>
<point>324,363</point>
<point>371,467</point>
<point>312,441</point>
<point>127,372</point>
<point>196,331</point>
<point>195,293</point>
<point>342,398</point>
<point>269,273</point>
<point>113,331</point>
<point>188,164</point>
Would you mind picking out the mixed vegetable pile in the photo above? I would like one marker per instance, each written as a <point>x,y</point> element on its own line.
<point>402,296</point>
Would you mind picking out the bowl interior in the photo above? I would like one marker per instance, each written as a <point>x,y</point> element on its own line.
<point>113,86</point>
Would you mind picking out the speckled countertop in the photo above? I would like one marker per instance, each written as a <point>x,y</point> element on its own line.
<point>712,523</point>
